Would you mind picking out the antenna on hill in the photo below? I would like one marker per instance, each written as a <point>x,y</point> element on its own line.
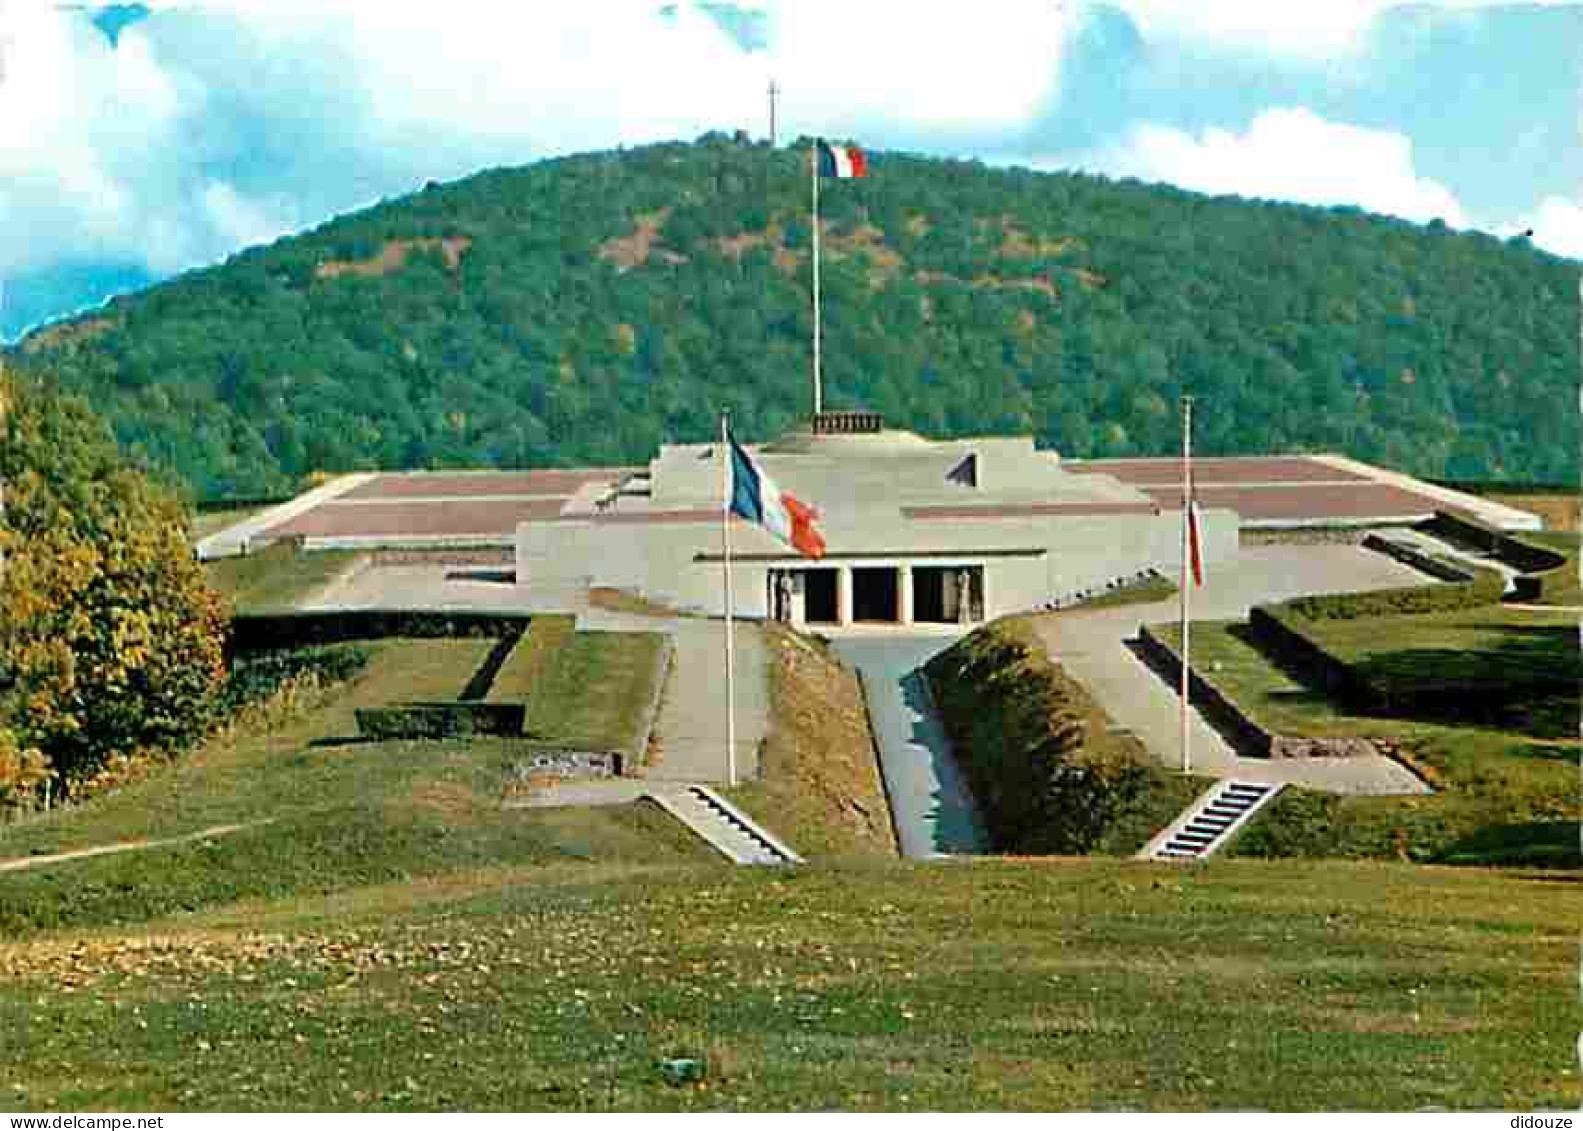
<point>774,91</point>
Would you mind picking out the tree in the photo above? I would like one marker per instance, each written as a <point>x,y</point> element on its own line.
<point>110,639</point>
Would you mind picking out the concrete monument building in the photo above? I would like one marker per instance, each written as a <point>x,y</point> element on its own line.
<point>918,531</point>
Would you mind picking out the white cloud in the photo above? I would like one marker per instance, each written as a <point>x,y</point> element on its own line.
<point>1317,29</point>
<point>1289,154</point>
<point>151,152</point>
<point>1557,226</point>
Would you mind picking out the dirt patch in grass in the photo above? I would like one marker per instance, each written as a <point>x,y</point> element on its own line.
<point>633,250</point>
<point>821,788</point>
<point>393,257</point>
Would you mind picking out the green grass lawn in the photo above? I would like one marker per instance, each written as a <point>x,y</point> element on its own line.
<point>1567,592</point>
<point>342,813</point>
<point>947,986</point>
<point>534,654</point>
<point>594,690</point>
<point>1501,795</point>
<point>277,577</point>
<point>1145,592</point>
<point>394,938</point>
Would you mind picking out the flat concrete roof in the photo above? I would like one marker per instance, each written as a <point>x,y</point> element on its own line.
<point>485,507</point>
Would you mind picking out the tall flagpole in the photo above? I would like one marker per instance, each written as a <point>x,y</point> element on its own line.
<point>818,387</point>
<point>1187,553</point>
<point>725,538</point>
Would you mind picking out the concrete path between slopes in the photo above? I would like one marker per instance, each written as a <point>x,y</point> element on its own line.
<point>692,725</point>
<point>1092,648</point>
<point>929,798</point>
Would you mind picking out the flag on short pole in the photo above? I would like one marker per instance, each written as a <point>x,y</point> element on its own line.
<point>842,161</point>
<point>756,498</point>
<point>1195,545</point>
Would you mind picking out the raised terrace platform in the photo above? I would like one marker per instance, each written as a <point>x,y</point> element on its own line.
<point>1274,492</point>
<point>483,508</point>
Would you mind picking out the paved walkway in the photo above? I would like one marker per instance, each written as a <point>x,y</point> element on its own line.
<point>1092,647</point>
<point>929,798</point>
<point>692,725</point>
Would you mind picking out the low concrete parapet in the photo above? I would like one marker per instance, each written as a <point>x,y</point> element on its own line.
<point>1228,718</point>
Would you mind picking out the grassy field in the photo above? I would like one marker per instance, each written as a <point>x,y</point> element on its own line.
<point>820,787</point>
<point>324,812</point>
<point>1010,984</point>
<point>595,689</point>
<point>277,577</point>
<point>1502,796</point>
<point>384,935</point>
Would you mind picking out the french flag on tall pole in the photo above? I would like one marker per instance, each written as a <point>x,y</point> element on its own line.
<point>755,497</point>
<point>841,162</point>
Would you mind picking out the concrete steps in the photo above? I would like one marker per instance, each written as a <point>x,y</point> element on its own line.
<point>729,830</point>
<point>1209,822</point>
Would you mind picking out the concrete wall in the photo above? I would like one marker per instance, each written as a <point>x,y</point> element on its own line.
<point>1047,557</point>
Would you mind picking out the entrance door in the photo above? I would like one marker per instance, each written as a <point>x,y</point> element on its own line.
<point>819,593</point>
<point>948,594</point>
<point>929,596</point>
<point>876,595</point>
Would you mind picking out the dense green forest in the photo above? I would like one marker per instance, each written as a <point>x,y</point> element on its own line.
<point>585,309</point>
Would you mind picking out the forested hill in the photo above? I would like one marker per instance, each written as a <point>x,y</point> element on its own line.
<point>583,310</point>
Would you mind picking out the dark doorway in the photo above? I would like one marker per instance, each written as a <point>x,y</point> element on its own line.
<point>819,596</point>
<point>875,594</point>
<point>948,594</point>
<point>928,595</point>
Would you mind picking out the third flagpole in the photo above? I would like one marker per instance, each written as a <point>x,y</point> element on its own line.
<point>725,538</point>
<point>1187,553</point>
<point>818,390</point>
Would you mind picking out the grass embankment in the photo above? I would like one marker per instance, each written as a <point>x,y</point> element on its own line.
<point>588,689</point>
<point>1145,592</point>
<point>819,785</point>
<point>1007,984</point>
<point>341,813</point>
<point>277,577</point>
<point>1048,769</point>
<point>1558,509</point>
<point>1560,585</point>
<point>1504,794</point>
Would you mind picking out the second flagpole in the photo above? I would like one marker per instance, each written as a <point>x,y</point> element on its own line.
<point>818,386</point>
<point>1187,553</point>
<point>725,538</point>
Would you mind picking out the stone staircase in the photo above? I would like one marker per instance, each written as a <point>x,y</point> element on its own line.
<point>729,830</point>
<point>1208,823</point>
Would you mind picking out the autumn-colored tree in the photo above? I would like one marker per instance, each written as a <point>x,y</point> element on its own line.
<point>110,639</point>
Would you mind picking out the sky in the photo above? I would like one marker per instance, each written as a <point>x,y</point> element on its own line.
<point>135,144</point>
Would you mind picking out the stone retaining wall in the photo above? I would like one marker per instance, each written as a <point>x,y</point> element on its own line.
<point>1247,736</point>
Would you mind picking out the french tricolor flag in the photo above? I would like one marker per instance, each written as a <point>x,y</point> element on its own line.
<point>841,161</point>
<point>1195,547</point>
<point>755,497</point>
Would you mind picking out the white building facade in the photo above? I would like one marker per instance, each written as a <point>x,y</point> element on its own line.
<point>917,531</point>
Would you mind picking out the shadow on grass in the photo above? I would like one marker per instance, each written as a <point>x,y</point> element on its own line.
<point>1535,844</point>
<point>483,679</point>
<point>493,576</point>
